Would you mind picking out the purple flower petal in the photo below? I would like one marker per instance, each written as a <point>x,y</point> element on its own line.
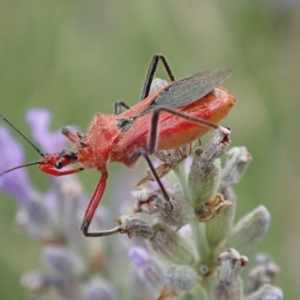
<point>139,256</point>
<point>186,231</point>
<point>99,289</point>
<point>39,120</point>
<point>32,224</point>
<point>62,261</point>
<point>15,183</point>
<point>147,270</point>
<point>12,153</point>
<point>188,164</point>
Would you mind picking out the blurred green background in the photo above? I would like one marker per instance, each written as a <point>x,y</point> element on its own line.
<point>77,57</point>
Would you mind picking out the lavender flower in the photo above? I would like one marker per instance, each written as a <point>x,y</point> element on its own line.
<point>39,120</point>
<point>188,259</point>
<point>147,270</point>
<point>62,261</point>
<point>15,183</point>
<point>228,284</point>
<point>52,217</point>
<point>99,289</point>
<point>179,278</point>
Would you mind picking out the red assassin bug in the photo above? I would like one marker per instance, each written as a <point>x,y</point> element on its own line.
<point>173,116</point>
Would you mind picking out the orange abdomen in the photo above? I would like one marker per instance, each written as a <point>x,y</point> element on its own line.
<point>175,131</point>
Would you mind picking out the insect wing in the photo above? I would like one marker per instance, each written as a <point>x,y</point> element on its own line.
<point>189,89</point>
<point>178,93</point>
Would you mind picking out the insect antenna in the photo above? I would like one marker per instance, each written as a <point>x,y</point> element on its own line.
<point>21,166</point>
<point>22,135</point>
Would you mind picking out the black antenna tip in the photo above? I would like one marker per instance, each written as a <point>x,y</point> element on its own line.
<point>22,135</point>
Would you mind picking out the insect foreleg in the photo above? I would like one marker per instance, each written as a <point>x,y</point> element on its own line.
<point>70,135</point>
<point>56,172</point>
<point>94,202</point>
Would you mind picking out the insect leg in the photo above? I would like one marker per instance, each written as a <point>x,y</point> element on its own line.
<point>94,202</point>
<point>55,172</point>
<point>118,107</point>
<point>148,81</point>
<point>101,232</point>
<point>154,174</point>
<point>155,119</point>
<point>70,135</point>
<point>151,71</point>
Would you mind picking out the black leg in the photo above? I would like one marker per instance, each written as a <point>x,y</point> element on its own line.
<point>148,81</point>
<point>155,120</point>
<point>118,107</point>
<point>151,72</point>
<point>85,227</point>
<point>154,174</point>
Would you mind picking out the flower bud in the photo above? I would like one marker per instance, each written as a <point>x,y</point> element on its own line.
<point>139,256</point>
<point>267,292</point>
<point>62,261</point>
<point>211,208</point>
<point>203,179</point>
<point>238,159</point>
<point>217,143</point>
<point>176,212</point>
<point>170,158</point>
<point>39,121</point>
<point>157,84</point>
<point>135,227</point>
<point>99,289</point>
<point>36,282</point>
<point>161,240</point>
<point>218,228</point>
<point>33,218</point>
<point>186,232</point>
<point>228,194</point>
<point>16,183</point>
<point>170,247</point>
<point>228,285</point>
<point>71,188</point>
<point>147,270</point>
<point>205,173</point>
<point>174,156</point>
<point>179,278</point>
<point>262,273</point>
<point>250,229</point>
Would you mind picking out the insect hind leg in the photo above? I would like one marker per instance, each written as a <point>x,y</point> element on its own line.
<point>151,71</point>
<point>155,121</point>
<point>118,107</point>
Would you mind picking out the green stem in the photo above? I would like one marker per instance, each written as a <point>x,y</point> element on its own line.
<point>179,171</point>
<point>199,292</point>
<point>200,240</point>
<point>198,228</point>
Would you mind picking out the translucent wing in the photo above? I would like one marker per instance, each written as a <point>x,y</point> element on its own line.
<point>189,89</point>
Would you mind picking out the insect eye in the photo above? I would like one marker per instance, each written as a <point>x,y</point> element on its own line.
<point>58,165</point>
